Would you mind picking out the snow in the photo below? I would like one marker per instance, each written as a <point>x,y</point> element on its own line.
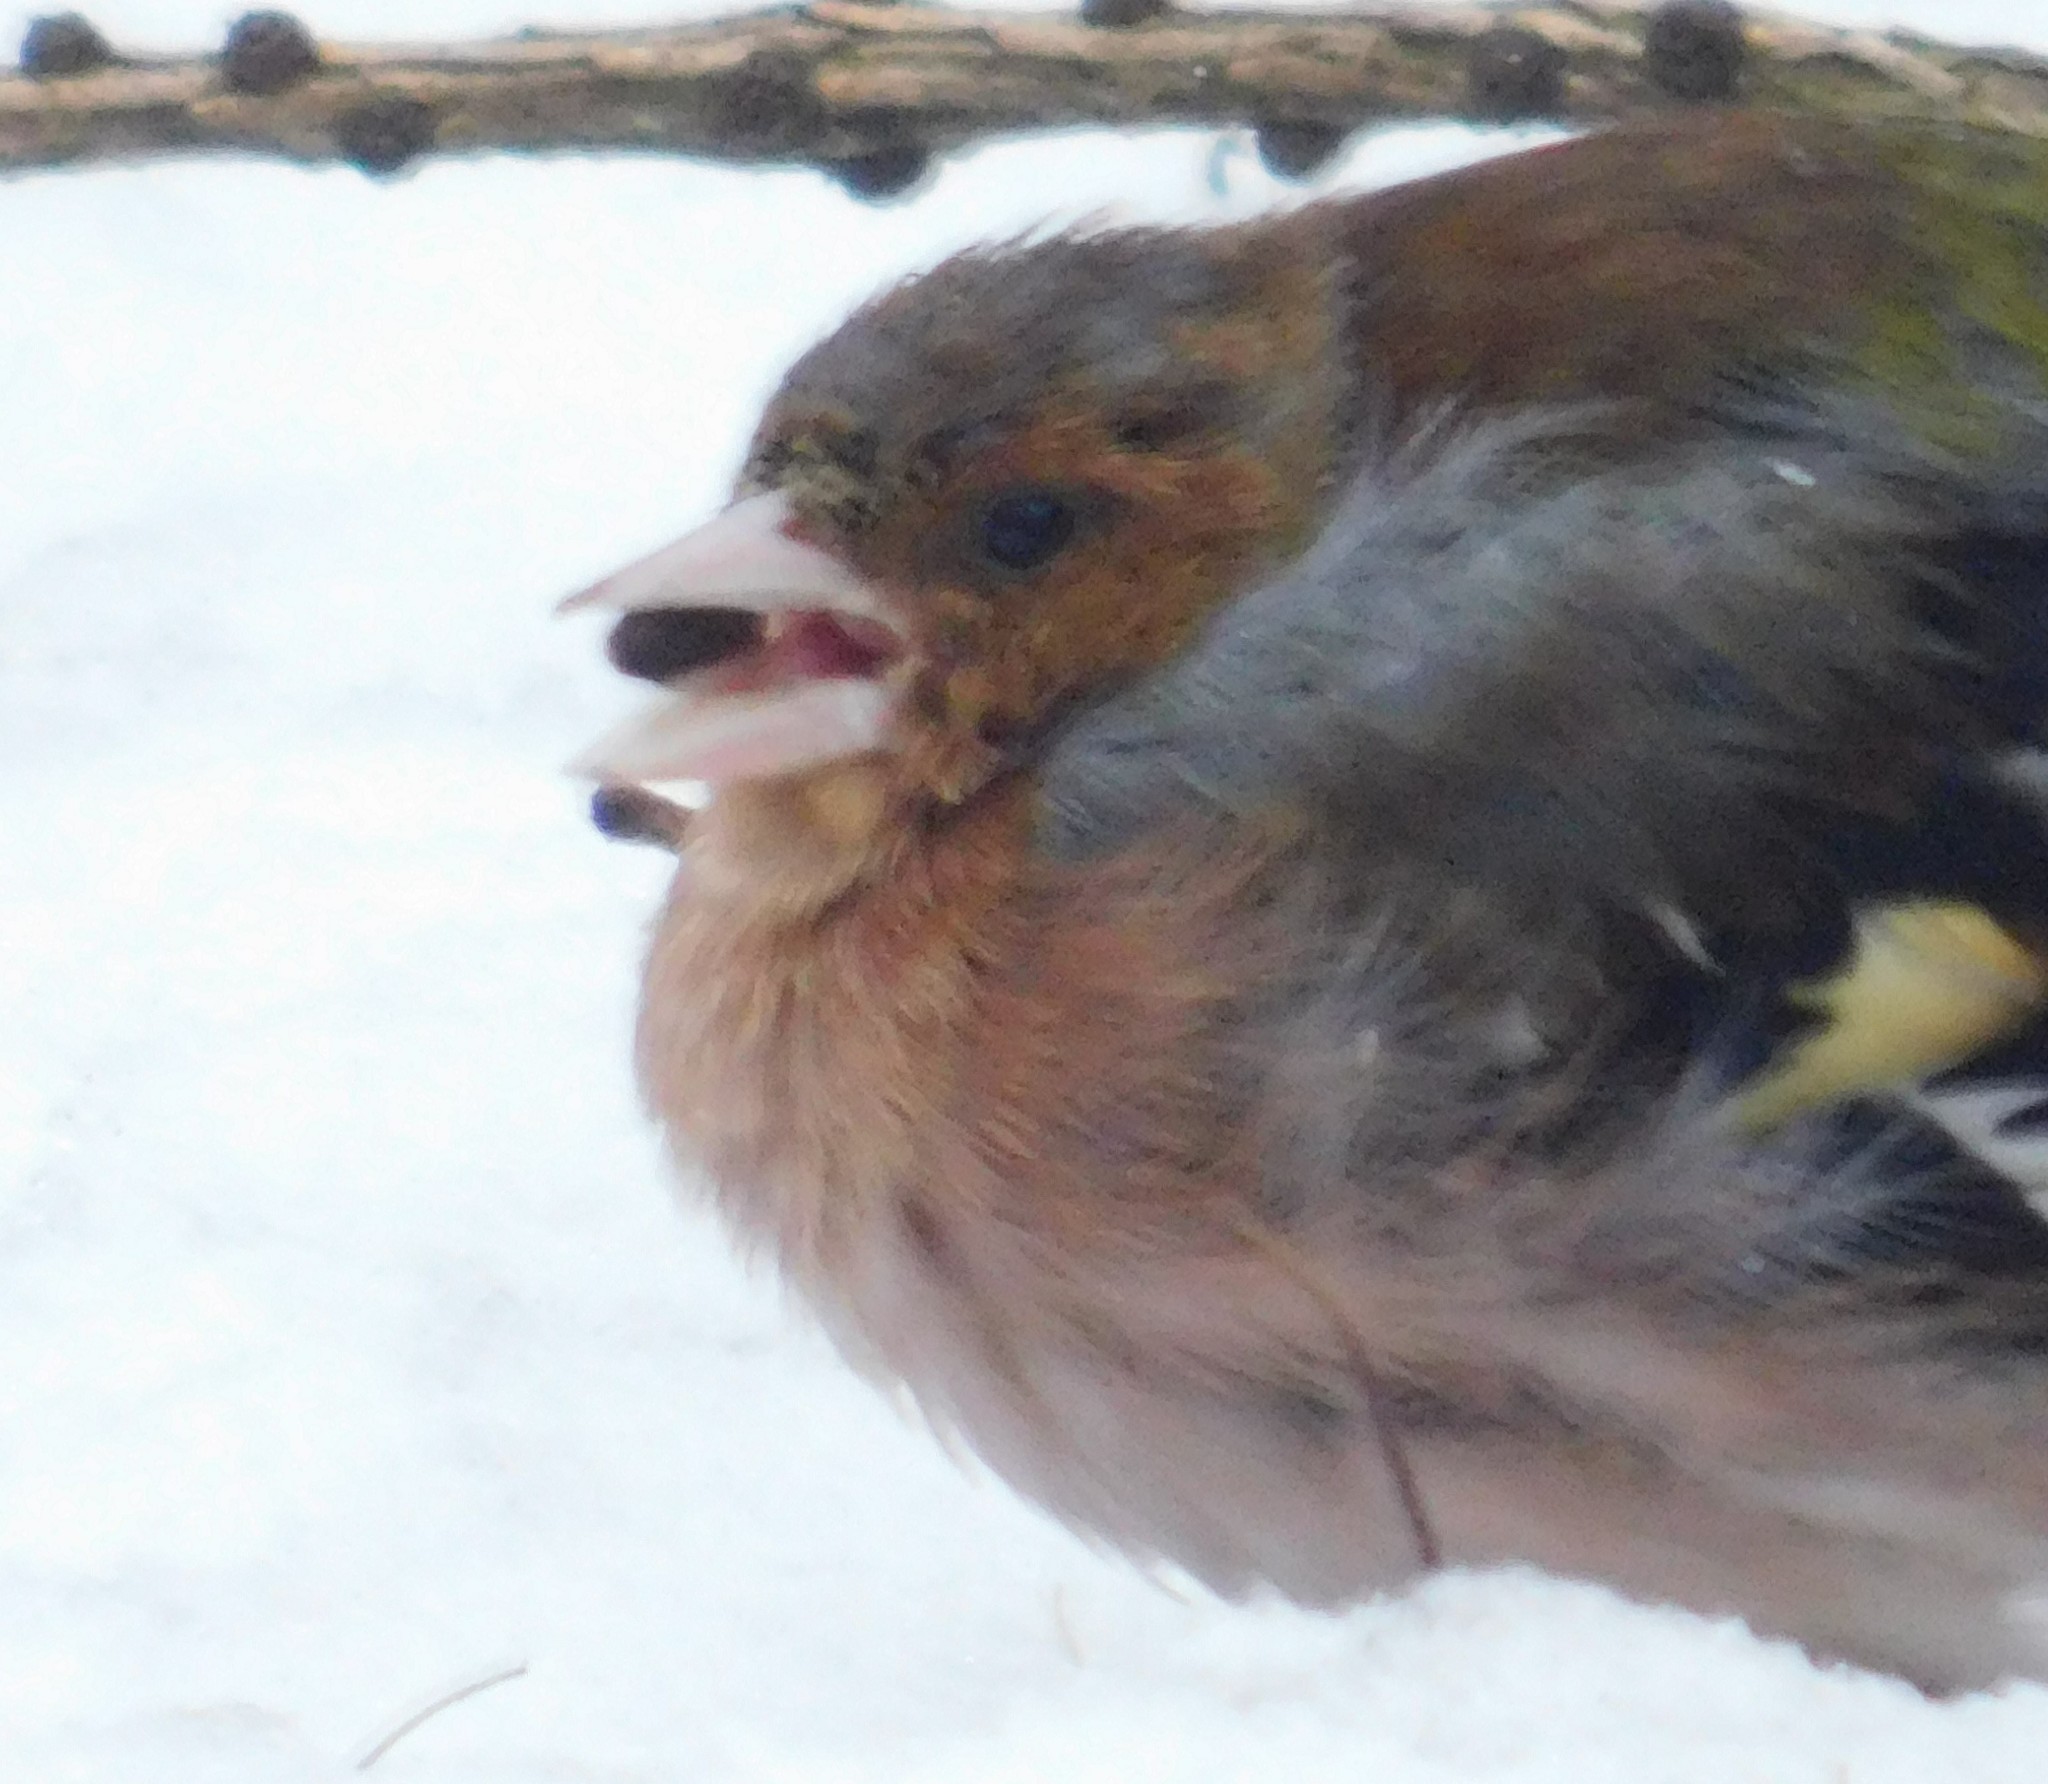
<point>354,1347</point>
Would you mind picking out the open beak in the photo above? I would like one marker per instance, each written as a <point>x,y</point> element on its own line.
<point>772,654</point>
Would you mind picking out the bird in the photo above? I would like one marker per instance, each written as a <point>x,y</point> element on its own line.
<point>1366,889</point>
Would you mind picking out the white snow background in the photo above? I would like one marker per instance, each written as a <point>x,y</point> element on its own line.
<point>354,1348</point>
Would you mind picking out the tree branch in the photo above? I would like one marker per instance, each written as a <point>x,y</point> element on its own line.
<point>872,90</point>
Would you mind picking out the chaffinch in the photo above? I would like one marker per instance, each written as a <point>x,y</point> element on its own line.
<point>1373,885</point>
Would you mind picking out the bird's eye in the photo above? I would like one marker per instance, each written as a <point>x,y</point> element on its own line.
<point>1024,528</point>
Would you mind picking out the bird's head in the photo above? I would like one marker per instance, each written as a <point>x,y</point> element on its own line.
<point>1019,479</point>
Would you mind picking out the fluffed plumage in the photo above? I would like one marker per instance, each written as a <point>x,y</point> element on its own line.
<point>1288,805</point>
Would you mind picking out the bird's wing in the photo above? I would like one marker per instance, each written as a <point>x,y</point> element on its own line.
<point>1776,689</point>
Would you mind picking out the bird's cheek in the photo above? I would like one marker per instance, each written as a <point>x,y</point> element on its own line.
<point>971,696</point>
<point>954,707</point>
<point>959,684</point>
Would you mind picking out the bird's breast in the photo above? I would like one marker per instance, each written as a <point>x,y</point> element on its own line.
<point>955,1033</point>
<point>999,1131</point>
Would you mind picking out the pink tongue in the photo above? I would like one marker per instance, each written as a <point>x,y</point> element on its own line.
<point>824,647</point>
<point>809,647</point>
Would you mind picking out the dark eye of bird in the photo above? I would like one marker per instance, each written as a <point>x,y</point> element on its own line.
<point>1024,528</point>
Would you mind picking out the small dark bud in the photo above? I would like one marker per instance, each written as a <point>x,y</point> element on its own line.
<point>1513,73</point>
<point>768,104</point>
<point>661,643</point>
<point>266,52</point>
<point>1694,49</point>
<point>882,172</point>
<point>1121,15</point>
<point>63,43</point>
<point>1293,149</point>
<point>383,134</point>
<point>633,814</point>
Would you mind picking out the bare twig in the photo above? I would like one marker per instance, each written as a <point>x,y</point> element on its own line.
<point>428,1712</point>
<point>872,90</point>
<point>1382,1416</point>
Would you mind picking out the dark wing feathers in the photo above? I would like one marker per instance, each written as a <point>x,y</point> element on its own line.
<point>1763,687</point>
<point>1508,656</point>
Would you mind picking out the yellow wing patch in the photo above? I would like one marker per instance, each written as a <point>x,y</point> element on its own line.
<point>1928,984</point>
